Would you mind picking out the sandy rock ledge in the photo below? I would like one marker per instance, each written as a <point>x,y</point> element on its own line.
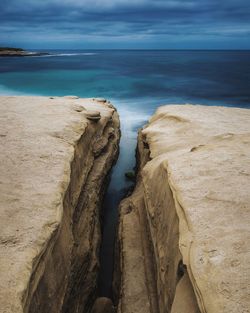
<point>51,186</point>
<point>184,233</point>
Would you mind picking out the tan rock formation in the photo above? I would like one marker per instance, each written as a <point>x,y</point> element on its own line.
<point>51,186</point>
<point>103,305</point>
<point>184,233</point>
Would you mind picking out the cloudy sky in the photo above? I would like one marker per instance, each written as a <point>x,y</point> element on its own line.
<point>152,24</point>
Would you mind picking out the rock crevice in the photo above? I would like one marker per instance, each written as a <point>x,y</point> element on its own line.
<point>60,181</point>
<point>182,232</point>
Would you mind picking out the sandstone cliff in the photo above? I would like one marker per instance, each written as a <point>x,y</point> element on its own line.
<point>184,232</point>
<point>55,156</point>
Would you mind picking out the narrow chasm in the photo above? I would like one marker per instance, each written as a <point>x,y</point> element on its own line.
<point>65,277</point>
<point>149,275</point>
<point>118,248</point>
<point>120,184</point>
<point>86,218</point>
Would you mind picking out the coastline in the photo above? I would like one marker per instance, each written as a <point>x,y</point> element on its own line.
<point>18,52</point>
<point>183,233</point>
<point>56,153</point>
<point>136,91</point>
<point>175,229</point>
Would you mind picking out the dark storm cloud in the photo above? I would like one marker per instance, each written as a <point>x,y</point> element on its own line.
<point>148,21</point>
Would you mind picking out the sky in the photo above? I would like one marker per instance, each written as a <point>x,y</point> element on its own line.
<point>125,24</point>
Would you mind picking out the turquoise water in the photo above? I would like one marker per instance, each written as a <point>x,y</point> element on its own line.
<point>143,78</point>
<point>136,82</point>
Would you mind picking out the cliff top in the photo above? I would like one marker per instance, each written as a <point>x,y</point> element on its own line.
<point>206,154</point>
<point>38,138</point>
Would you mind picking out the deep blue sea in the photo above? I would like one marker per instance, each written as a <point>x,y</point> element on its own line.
<point>136,82</point>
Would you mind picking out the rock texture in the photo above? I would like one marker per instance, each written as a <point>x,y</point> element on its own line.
<point>103,305</point>
<point>54,161</point>
<point>184,232</point>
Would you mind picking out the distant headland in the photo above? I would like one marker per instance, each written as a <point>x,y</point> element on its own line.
<point>18,52</point>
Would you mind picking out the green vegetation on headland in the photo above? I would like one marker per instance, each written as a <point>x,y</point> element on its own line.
<point>18,52</point>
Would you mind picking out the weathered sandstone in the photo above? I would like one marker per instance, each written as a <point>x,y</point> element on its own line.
<point>103,305</point>
<point>184,233</point>
<point>54,162</point>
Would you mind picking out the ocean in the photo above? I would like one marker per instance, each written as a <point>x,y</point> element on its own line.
<point>142,79</point>
<point>136,82</point>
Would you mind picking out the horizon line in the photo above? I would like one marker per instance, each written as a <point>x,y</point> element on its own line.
<point>125,49</point>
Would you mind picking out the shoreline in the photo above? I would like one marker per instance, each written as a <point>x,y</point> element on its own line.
<point>181,203</point>
<point>52,185</point>
<point>183,233</point>
<point>18,52</point>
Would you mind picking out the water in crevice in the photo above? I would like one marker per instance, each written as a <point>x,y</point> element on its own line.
<point>117,190</point>
<point>136,82</point>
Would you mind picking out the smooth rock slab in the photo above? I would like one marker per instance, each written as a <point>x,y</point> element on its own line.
<point>184,232</point>
<point>205,152</point>
<point>44,144</point>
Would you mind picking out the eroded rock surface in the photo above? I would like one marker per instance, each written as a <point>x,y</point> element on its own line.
<point>184,233</point>
<point>52,182</point>
<point>103,305</point>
